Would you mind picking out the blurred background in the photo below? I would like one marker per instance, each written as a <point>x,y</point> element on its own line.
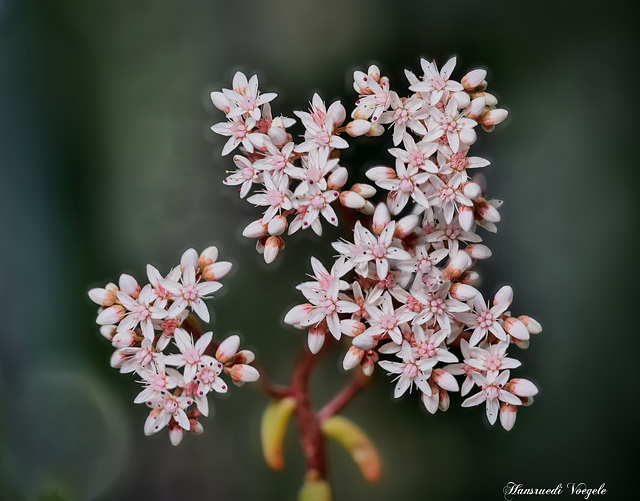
<point>108,164</point>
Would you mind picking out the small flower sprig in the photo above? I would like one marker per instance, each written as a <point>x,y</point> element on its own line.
<point>297,183</point>
<point>146,323</point>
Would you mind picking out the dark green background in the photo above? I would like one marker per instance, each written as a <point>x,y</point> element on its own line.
<point>108,164</point>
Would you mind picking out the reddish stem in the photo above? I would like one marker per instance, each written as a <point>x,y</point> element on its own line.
<point>311,436</point>
<point>342,399</point>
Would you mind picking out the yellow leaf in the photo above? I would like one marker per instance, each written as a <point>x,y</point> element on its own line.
<point>273,430</point>
<point>357,443</point>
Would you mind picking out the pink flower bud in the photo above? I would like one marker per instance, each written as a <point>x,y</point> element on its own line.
<point>104,297</point>
<point>364,342</point>
<point>316,337</point>
<point>358,127</point>
<point>338,178</point>
<point>255,229</point>
<point>277,226</point>
<point>208,256</point>
<point>488,212</point>
<point>375,131</point>
<point>368,209</point>
<point>443,400</point>
<point>123,339</point>
<point>244,357</point>
<point>380,173</point>
<point>216,271</point>
<point>374,72</point>
<point>508,415</point>
<point>228,349</point>
<point>111,315</point>
<point>195,427</point>
<point>352,358</point>
<point>516,329</point>
<point>472,190</point>
<point>478,251</point>
<point>244,373</point>
<point>521,387</point>
<point>271,248</point>
<point>475,108</point>
<point>364,190</point>
<point>108,331</point>
<point>473,79</point>
<point>362,113</point>
<point>523,344</point>
<point>221,102</point>
<point>381,218</point>
<point>465,217</point>
<point>462,292</point>
<point>445,380</point>
<point>368,363</point>
<point>460,262</point>
<point>117,359</point>
<point>470,278</point>
<point>533,326</point>
<point>406,225</point>
<point>352,200</point>
<point>462,99</point>
<point>494,117</point>
<point>352,328</point>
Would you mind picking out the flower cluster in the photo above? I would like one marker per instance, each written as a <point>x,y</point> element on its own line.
<point>297,184</point>
<point>146,323</point>
<point>406,287</point>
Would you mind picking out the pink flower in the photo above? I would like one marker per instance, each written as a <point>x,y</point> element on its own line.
<point>188,292</point>
<point>491,393</point>
<point>379,249</point>
<point>191,355</point>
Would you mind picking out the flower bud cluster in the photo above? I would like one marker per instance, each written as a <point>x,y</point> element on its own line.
<point>149,327</point>
<point>296,183</point>
<point>405,289</point>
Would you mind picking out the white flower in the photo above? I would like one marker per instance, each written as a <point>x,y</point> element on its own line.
<point>276,196</point>
<point>379,249</point>
<point>246,175</point>
<point>405,114</point>
<point>246,97</point>
<point>140,311</point>
<point>324,306</point>
<point>188,292</point>
<point>410,370</point>
<point>164,407</point>
<point>190,354</point>
<point>435,82</point>
<point>484,319</point>
<point>383,321</point>
<point>491,393</point>
<point>320,125</point>
<point>239,131</point>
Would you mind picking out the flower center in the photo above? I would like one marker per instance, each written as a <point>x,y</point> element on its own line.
<point>207,376</point>
<point>189,292</point>
<point>485,319</point>
<point>437,306</point>
<point>406,186</point>
<point>491,392</point>
<point>388,322</point>
<point>170,406</point>
<point>379,250</point>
